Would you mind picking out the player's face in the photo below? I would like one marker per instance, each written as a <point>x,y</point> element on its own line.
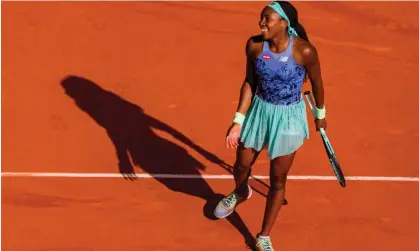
<point>271,23</point>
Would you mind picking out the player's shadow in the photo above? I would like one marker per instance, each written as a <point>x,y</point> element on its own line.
<point>136,144</point>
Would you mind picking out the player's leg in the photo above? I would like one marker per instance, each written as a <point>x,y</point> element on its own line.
<point>245,158</point>
<point>279,169</point>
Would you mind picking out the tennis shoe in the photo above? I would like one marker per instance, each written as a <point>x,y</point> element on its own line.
<point>264,244</point>
<point>228,204</point>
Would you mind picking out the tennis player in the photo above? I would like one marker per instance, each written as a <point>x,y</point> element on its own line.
<point>271,111</point>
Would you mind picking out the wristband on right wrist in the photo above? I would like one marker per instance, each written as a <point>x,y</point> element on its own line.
<point>238,118</point>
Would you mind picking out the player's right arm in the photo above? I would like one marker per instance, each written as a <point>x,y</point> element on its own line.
<point>247,91</point>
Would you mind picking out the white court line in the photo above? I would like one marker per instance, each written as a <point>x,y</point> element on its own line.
<point>205,176</point>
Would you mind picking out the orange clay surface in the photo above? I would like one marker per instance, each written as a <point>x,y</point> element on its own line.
<point>175,68</point>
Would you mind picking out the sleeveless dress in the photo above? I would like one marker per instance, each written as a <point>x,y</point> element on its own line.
<point>277,116</point>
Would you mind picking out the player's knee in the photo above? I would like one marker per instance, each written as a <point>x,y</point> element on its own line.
<point>243,166</point>
<point>278,182</point>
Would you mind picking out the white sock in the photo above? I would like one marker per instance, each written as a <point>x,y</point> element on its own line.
<point>263,237</point>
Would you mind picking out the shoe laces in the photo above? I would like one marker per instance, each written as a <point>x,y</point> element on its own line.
<point>265,243</point>
<point>230,200</point>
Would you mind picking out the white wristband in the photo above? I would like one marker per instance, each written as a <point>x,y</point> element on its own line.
<point>238,118</point>
<point>320,113</point>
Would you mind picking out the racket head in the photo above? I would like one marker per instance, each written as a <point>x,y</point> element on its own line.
<point>335,165</point>
<point>338,171</point>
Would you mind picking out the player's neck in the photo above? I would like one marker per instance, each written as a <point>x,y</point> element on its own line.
<point>281,41</point>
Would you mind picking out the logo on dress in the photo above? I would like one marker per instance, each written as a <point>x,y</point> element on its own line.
<point>266,57</point>
<point>283,59</point>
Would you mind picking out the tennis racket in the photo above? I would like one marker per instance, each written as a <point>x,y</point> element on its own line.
<point>328,146</point>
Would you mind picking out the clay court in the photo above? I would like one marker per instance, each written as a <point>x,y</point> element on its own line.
<point>90,89</point>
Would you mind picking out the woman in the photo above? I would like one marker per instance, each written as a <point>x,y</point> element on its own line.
<point>271,111</point>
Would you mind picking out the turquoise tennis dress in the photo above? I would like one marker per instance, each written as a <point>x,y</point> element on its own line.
<point>277,116</point>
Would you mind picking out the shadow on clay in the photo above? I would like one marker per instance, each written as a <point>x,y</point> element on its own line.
<point>130,130</point>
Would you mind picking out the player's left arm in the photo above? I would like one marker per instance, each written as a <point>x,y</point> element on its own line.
<point>312,66</point>
<point>311,63</point>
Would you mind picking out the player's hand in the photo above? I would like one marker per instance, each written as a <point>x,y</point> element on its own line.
<point>233,136</point>
<point>320,123</point>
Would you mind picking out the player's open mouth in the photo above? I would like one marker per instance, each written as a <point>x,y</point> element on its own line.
<point>264,30</point>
